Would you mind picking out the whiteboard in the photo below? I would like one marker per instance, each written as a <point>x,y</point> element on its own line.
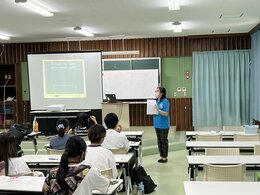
<point>130,84</point>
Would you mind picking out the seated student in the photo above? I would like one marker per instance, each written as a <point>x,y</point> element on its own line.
<point>97,155</point>
<point>114,139</point>
<point>59,141</point>
<point>84,121</point>
<point>65,179</point>
<point>14,165</point>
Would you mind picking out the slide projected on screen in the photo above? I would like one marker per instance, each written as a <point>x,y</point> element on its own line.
<point>73,79</point>
<point>64,78</point>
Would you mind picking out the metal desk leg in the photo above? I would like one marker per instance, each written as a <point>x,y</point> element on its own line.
<point>35,145</point>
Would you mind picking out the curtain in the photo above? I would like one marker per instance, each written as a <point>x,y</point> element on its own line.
<point>255,77</point>
<point>221,88</point>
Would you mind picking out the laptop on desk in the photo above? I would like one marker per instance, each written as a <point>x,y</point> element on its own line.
<point>111,98</point>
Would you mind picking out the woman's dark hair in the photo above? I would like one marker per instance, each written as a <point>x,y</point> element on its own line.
<point>96,133</point>
<point>4,148</point>
<point>75,146</point>
<point>162,91</point>
<point>84,120</point>
<point>12,149</point>
<point>61,125</point>
<point>111,120</point>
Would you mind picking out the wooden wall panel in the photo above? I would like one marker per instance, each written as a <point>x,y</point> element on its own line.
<point>180,114</point>
<point>15,53</point>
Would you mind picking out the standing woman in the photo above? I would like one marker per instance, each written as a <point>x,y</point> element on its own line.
<point>162,122</point>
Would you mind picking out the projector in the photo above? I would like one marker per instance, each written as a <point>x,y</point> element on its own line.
<point>56,108</point>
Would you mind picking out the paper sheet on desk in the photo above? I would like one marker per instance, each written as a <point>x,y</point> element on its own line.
<point>150,107</point>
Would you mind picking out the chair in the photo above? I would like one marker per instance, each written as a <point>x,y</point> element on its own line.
<point>53,151</point>
<point>257,150</point>
<point>224,172</point>
<point>118,151</point>
<point>233,128</point>
<point>208,128</point>
<point>2,168</point>
<point>243,137</point>
<point>209,137</point>
<point>222,151</point>
<point>107,173</point>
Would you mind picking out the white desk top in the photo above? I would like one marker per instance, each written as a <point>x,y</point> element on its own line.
<point>132,133</point>
<point>223,160</point>
<point>22,184</point>
<point>221,188</point>
<point>65,111</point>
<point>224,133</point>
<point>32,134</point>
<point>222,144</point>
<point>131,144</point>
<point>55,159</point>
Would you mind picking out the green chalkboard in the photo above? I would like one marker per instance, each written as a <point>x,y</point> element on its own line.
<point>117,65</point>
<point>146,64</point>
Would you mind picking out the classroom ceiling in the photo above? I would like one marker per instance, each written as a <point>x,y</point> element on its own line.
<point>126,19</point>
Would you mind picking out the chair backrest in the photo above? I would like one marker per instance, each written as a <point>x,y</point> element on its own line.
<point>247,137</point>
<point>209,137</point>
<point>233,128</point>
<point>107,173</point>
<point>224,172</point>
<point>118,151</point>
<point>207,128</point>
<point>257,150</point>
<point>222,151</point>
<point>53,151</point>
<point>251,129</point>
<point>2,168</point>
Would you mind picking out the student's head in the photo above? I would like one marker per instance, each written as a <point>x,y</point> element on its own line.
<point>62,126</point>
<point>74,153</point>
<point>111,120</point>
<point>96,134</point>
<point>84,120</point>
<point>160,93</point>
<point>4,149</point>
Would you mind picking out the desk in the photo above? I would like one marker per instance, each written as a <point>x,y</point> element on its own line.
<point>136,136</point>
<point>33,185</point>
<point>221,188</point>
<point>195,161</point>
<point>191,145</point>
<point>33,135</point>
<point>46,162</point>
<point>23,185</point>
<point>112,188</point>
<point>190,135</point>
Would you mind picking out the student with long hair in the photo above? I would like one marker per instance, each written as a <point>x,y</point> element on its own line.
<point>66,178</point>
<point>59,141</point>
<point>97,155</point>
<point>14,166</point>
<point>162,122</point>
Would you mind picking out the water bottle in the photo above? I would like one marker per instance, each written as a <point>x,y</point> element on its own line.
<point>140,189</point>
<point>135,191</point>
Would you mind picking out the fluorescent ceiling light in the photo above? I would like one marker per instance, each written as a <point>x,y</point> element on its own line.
<point>4,37</point>
<point>83,31</point>
<point>177,28</point>
<point>174,4</point>
<point>36,7</point>
<point>113,53</point>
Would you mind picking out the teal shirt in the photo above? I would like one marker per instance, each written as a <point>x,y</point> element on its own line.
<point>159,121</point>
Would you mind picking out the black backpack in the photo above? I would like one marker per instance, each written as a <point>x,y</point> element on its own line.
<point>140,175</point>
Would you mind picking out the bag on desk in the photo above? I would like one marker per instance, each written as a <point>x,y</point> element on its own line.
<point>140,175</point>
